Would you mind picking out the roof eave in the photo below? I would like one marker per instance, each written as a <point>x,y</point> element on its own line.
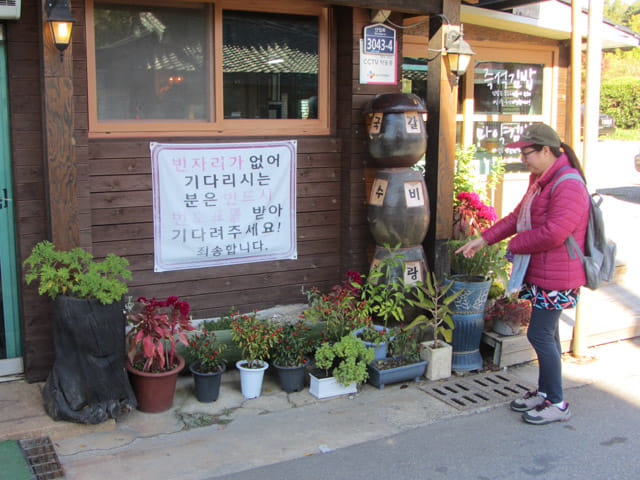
<point>612,37</point>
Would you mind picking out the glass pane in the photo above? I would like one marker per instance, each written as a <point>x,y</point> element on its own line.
<point>150,62</point>
<point>270,65</point>
<point>508,88</point>
<point>490,138</point>
<point>414,76</point>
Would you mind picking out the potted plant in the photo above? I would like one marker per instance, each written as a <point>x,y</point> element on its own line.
<point>88,381</point>
<point>434,300</point>
<point>341,366</point>
<point>339,311</point>
<point>255,338</point>
<point>383,293</point>
<point>403,363</point>
<point>153,362</point>
<point>376,337</point>
<point>509,314</point>
<point>384,297</point>
<point>475,276</point>
<point>207,366</point>
<point>289,354</point>
<point>496,291</point>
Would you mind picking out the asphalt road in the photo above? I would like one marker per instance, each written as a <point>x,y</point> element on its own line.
<point>601,441</point>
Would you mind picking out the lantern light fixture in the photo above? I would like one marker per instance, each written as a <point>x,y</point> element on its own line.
<point>458,52</point>
<point>61,20</point>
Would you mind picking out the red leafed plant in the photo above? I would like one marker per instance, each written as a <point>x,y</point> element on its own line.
<point>155,327</point>
<point>512,311</point>
<point>471,215</point>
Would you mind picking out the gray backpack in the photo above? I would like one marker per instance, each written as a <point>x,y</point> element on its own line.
<point>599,255</point>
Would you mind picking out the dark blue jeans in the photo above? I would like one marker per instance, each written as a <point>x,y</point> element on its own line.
<point>544,336</point>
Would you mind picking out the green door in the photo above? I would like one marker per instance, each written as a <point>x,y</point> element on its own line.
<point>10,345</point>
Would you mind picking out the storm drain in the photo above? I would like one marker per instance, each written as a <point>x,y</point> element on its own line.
<point>477,391</point>
<point>41,458</point>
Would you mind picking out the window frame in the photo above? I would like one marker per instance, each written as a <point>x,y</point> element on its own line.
<point>218,126</point>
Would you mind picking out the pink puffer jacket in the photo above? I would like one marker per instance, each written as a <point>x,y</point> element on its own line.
<point>553,218</point>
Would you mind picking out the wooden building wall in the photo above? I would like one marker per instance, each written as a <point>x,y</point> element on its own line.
<point>115,198</point>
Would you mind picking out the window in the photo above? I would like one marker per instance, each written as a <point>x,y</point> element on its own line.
<point>501,96</point>
<point>508,88</point>
<point>270,65</point>
<point>203,69</point>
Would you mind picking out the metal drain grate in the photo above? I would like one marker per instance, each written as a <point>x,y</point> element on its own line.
<point>478,391</point>
<point>42,458</point>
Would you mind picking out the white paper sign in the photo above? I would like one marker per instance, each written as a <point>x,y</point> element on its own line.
<point>223,204</point>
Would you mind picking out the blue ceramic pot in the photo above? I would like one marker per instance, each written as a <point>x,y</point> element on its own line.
<point>468,319</point>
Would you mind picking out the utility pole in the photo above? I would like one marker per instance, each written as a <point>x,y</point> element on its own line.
<point>590,135</point>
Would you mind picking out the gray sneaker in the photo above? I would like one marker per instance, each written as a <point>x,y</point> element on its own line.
<point>530,401</point>
<point>547,413</point>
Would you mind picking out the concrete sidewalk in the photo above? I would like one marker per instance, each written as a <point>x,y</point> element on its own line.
<point>195,440</point>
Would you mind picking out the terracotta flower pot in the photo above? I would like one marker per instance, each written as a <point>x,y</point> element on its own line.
<point>155,391</point>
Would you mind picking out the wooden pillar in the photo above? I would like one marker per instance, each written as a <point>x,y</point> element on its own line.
<point>441,145</point>
<point>59,155</point>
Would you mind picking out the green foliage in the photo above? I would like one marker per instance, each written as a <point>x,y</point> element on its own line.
<point>206,350</point>
<point>620,98</point>
<point>348,358</point>
<point>464,179</point>
<point>489,262</point>
<point>496,174</point>
<point>225,322</point>
<point>339,310</point>
<point>383,293</point>
<point>75,273</point>
<point>496,291</point>
<point>294,343</point>
<point>435,299</point>
<point>371,334</point>
<point>623,134</point>
<point>255,338</point>
<point>404,345</point>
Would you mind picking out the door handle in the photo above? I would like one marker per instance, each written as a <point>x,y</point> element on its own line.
<point>4,200</point>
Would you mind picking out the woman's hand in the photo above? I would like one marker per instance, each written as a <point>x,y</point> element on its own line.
<point>470,248</point>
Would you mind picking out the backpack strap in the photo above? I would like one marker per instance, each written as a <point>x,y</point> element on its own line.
<point>570,242</point>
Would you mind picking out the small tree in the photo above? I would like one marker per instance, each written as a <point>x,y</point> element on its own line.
<point>434,299</point>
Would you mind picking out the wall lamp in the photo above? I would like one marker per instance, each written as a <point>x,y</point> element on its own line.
<point>458,51</point>
<point>61,21</point>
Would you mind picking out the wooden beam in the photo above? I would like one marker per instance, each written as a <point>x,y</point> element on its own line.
<point>59,155</point>
<point>441,127</point>
<point>403,6</point>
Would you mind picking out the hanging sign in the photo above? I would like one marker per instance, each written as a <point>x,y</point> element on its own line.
<point>378,55</point>
<point>223,204</point>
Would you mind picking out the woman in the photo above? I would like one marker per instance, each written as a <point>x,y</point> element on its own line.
<point>540,224</point>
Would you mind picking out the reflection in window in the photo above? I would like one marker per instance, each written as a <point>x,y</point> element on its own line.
<point>270,65</point>
<point>508,88</point>
<point>490,139</point>
<point>150,62</point>
<point>414,76</point>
